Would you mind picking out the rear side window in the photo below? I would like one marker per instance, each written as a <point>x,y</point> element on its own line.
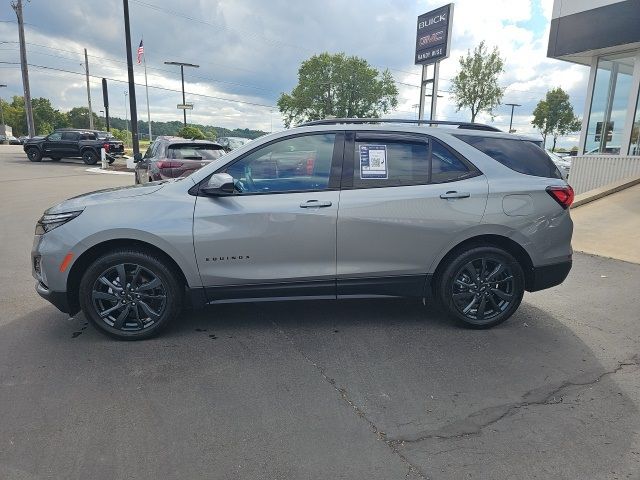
<point>519,155</point>
<point>445,166</point>
<point>72,136</point>
<point>390,163</point>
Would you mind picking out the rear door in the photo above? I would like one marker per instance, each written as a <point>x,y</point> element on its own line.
<point>277,235</point>
<point>404,197</point>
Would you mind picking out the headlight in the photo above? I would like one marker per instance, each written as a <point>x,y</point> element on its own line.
<point>50,221</point>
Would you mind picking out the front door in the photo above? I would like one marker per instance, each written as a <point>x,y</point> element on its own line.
<point>276,237</point>
<point>52,146</point>
<point>406,199</point>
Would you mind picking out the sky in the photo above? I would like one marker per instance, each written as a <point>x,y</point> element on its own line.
<point>249,53</point>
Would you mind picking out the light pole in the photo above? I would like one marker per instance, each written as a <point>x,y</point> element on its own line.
<point>182,65</point>
<point>513,105</point>
<point>126,114</point>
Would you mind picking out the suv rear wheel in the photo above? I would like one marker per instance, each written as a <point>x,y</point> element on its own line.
<point>34,154</point>
<point>89,157</point>
<point>481,287</point>
<point>130,294</point>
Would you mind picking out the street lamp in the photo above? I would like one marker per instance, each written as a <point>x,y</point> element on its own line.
<point>513,105</point>
<point>182,65</point>
<point>4,130</point>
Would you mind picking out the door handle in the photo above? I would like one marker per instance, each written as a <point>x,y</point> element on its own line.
<point>454,194</point>
<point>315,204</point>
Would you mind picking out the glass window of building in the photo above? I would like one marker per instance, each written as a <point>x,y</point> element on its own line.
<point>634,147</point>
<point>609,105</point>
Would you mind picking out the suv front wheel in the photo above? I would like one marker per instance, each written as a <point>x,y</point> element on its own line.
<point>130,294</point>
<point>34,154</point>
<point>481,287</point>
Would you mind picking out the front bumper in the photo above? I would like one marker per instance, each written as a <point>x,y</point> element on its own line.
<point>548,276</point>
<point>58,299</point>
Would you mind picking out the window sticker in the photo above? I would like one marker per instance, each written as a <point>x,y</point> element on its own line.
<point>373,161</point>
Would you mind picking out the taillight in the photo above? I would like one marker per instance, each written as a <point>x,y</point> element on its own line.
<point>168,164</point>
<point>563,195</point>
<point>105,146</point>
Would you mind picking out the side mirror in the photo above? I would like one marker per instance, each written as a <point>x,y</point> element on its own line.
<point>137,157</point>
<point>219,185</point>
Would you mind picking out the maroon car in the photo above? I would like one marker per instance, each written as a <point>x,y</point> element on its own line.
<point>173,157</point>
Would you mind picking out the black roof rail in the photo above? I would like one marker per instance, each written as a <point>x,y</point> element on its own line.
<point>465,125</point>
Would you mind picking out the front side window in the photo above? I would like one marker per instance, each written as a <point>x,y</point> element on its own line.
<point>70,136</point>
<point>295,164</point>
<point>55,136</point>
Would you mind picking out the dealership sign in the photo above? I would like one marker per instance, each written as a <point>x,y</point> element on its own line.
<point>434,35</point>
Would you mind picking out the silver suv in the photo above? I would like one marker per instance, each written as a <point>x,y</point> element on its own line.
<point>461,216</point>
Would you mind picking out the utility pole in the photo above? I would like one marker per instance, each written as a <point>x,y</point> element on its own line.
<point>17,7</point>
<point>182,65</point>
<point>4,130</point>
<point>86,71</point>
<point>513,105</point>
<point>132,85</point>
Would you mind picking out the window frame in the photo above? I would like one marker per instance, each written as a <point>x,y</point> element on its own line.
<point>353,136</point>
<point>335,169</point>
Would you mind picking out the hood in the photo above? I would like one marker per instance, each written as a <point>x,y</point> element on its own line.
<point>106,195</point>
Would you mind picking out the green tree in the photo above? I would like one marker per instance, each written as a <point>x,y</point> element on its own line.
<point>339,86</point>
<point>554,116</point>
<point>47,118</point>
<point>191,132</point>
<point>79,118</point>
<point>475,86</point>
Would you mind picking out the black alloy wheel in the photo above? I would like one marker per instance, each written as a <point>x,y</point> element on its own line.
<point>34,154</point>
<point>130,294</point>
<point>482,287</point>
<point>89,157</point>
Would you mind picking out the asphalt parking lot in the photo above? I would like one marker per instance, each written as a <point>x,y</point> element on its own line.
<point>305,390</point>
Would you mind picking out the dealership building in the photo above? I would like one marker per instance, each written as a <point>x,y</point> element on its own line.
<point>604,35</point>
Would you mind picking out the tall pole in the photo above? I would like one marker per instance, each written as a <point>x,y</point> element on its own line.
<point>4,130</point>
<point>86,71</point>
<point>513,105</point>
<point>434,90</point>
<point>146,86</point>
<point>423,92</point>
<point>126,115</point>
<point>182,65</point>
<point>132,86</point>
<point>17,7</point>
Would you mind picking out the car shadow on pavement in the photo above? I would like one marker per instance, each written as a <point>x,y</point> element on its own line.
<point>525,398</point>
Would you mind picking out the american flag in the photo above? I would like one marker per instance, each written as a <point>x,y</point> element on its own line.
<point>140,52</point>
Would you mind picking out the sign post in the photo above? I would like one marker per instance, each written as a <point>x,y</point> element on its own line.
<point>433,40</point>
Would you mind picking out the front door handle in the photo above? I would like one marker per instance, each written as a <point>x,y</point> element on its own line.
<point>454,194</point>
<point>315,204</point>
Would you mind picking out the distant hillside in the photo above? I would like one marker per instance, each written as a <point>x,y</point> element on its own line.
<point>170,128</point>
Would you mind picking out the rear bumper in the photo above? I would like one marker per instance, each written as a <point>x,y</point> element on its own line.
<point>548,276</point>
<point>58,299</point>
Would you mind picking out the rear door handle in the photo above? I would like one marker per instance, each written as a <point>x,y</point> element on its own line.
<point>315,204</point>
<point>454,194</point>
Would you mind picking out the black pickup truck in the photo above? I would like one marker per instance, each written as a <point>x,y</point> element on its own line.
<point>74,143</point>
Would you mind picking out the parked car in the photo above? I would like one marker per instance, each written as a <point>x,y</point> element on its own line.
<point>608,150</point>
<point>563,163</point>
<point>12,140</point>
<point>467,219</point>
<point>231,143</point>
<point>73,143</point>
<point>174,157</point>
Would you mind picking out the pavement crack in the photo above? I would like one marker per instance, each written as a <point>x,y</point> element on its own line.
<point>476,422</point>
<point>344,396</point>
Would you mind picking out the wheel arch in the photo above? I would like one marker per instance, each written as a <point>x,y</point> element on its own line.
<point>81,264</point>
<point>490,240</point>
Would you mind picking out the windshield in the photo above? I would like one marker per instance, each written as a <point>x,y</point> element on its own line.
<point>195,152</point>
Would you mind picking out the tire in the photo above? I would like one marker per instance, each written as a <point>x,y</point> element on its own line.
<point>89,157</point>
<point>34,154</point>
<point>149,301</point>
<point>476,303</point>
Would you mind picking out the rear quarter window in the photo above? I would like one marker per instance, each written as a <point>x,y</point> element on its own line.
<point>519,155</point>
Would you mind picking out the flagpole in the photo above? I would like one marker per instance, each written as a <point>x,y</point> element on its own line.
<point>146,86</point>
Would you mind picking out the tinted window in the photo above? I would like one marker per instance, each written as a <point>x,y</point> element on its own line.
<point>195,151</point>
<point>87,136</point>
<point>445,165</point>
<point>72,136</point>
<point>55,136</point>
<point>295,164</point>
<point>407,163</point>
<point>521,156</point>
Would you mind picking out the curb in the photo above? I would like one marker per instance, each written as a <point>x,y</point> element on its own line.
<point>598,193</point>
<point>108,172</point>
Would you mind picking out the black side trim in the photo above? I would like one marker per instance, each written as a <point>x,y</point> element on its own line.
<point>267,290</point>
<point>57,299</point>
<point>397,286</point>
<point>549,276</point>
